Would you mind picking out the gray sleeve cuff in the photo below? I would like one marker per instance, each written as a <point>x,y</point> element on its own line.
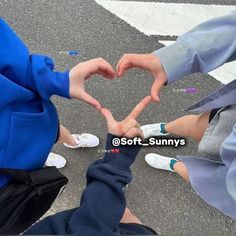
<point>176,60</point>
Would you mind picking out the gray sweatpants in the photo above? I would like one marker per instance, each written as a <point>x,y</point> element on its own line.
<point>219,128</point>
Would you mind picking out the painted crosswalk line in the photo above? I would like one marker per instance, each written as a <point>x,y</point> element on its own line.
<point>170,19</point>
<point>156,18</point>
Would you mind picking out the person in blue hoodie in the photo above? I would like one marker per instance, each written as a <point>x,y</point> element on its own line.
<point>102,210</point>
<point>28,118</point>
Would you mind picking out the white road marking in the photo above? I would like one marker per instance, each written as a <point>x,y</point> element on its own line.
<point>155,18</point>
<point>225,73</point>
<point>166,42</point>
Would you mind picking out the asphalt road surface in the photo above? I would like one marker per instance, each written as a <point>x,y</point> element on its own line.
<point>161,199</point>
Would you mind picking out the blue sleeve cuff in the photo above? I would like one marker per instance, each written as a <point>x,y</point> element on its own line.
<point>47,81</point>
<point>57,83</point>
<point>121,157</point>
<point>176,60</point>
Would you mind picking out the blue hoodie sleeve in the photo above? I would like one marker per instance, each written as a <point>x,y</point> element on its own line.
<point>102,203</point>
<point>33,72</point>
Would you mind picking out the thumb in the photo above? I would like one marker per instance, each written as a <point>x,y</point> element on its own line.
<point>90,100</point>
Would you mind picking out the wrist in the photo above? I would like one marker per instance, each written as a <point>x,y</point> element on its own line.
<point>120,157</point>
<point>73,86</point>
<point>175,60</point>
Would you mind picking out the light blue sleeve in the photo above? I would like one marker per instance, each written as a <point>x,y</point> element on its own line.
<point>228,155</point>
<point>202,49</point>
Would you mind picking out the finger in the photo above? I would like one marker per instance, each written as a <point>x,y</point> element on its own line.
<point>100,66</point>
<point>90,100</point>
<point>126,63</point>
<point>156,89</point>
<point>106,70</point>
<point>130,124</point>
<point>134,132</point>
<point>105,75</point>
<point>140,107</point>
<point>130,61</point>
<point>107,115</point>
<point>119,65</point>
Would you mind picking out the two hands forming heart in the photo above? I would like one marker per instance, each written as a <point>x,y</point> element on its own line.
<point>129,127</point>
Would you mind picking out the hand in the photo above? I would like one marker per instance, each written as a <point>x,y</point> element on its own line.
<point>148,62</point>
<point>84,71</point>
<point>128,127</point>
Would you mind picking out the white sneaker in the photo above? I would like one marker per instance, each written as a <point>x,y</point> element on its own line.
<point>84,140</point>
<point>159,162</point>
<point>153,130</point>
<point>55,160</point>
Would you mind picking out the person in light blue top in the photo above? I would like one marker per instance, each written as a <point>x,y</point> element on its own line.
<point>202,49</point>
<point>28,118</point>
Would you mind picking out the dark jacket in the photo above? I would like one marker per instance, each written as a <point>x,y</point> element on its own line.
<point>102,203</point>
